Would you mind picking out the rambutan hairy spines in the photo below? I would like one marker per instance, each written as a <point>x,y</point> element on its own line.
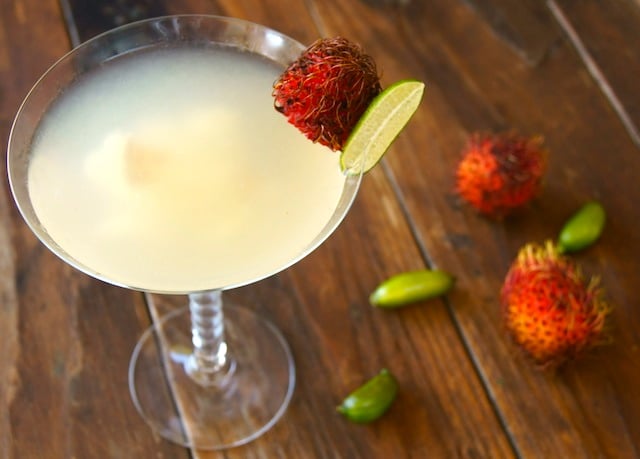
<point>548,307</point>
<point>327,89</point>
<point>499,173</point>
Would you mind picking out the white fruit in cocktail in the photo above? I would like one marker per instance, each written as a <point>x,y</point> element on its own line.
<point>169,170</point>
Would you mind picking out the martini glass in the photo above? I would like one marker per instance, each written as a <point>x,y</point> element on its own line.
<point>202,376</point>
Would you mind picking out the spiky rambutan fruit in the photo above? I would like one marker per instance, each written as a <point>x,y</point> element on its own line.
<point>549,309</point>
<point>327,89</point>
<point>499,173</point>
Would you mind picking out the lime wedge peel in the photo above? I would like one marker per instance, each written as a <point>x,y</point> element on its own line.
<point>379,126</point>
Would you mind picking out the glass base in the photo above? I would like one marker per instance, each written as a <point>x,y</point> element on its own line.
<point>249,395</point>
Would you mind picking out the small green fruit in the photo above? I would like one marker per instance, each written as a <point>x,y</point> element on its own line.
<point>410,287</point>
<point>583,228</point>
<point>371,400</point>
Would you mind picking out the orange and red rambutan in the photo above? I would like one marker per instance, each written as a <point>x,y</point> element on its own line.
<point>327,89</point>
<point>499,173</point>
<point>552,313</point>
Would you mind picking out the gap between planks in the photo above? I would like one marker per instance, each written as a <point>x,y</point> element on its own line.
<point>594,70</point>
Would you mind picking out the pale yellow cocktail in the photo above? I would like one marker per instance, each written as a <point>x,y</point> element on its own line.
<point>169,170</point>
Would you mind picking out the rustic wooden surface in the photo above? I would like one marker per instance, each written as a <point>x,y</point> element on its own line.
<point>565,69</point>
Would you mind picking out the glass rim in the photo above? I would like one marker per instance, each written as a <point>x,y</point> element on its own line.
<point>24,205</point>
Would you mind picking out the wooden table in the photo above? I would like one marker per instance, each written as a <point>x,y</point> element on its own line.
<point>565,69</point>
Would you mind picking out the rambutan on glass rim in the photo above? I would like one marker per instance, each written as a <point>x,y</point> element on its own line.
<point>201,30</point>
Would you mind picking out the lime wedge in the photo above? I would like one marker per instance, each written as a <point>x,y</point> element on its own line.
<point>380,124</point>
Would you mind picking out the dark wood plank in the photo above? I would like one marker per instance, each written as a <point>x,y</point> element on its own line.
<point>65,338</point>
<point>475,84</point>
<point>527,26</point>
<point>606,36</point>
<point>93,17</point>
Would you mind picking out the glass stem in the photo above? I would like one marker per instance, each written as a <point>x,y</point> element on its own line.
<point>209,363</point>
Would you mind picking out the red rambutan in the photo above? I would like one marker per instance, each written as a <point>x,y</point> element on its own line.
<point>499,173</point>
<point>327,89</point>
<point>548,308</point>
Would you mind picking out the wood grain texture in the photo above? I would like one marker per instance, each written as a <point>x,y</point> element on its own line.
<point>527,26</point>
<point>606,37</point>
<point>490,65</point>
<point>476,83</point>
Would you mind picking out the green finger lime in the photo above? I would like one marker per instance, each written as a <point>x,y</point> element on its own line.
<point>410,287</point>
<point>371,400</point>
<point>583,228</point>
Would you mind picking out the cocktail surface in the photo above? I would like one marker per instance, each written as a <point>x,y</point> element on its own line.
<point>169,170</point>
